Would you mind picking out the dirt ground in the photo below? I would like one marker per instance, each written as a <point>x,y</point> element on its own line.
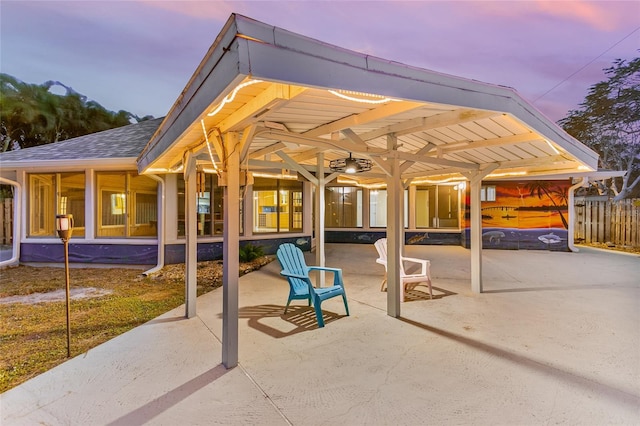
<point>626,249</point>
<point>105,302</point>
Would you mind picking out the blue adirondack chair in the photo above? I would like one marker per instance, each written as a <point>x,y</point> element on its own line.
<point>295,269</point>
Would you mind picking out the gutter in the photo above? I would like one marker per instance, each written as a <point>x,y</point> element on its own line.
<point>70,163</point>
<point>161,226</point>
<point>572,212</point>
<point>17,205</point>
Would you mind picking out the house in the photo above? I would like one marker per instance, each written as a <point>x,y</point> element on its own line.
<point>116,210</point>
<point>301,110</point>
<point>279,137</point>
<point>442,140</point>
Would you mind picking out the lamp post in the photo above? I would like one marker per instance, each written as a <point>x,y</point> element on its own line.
<point>64,226</point>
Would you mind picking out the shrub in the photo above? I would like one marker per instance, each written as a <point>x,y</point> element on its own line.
<point>250,252</point>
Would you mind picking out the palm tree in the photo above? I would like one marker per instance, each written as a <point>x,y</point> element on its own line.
<point>543,187</point>
<point>30,114</point>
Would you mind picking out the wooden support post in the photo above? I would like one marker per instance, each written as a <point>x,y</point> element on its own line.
<point>319,214</point>
<point>476,235</point>
<point>191,230</point>
<point>231,246</point>
<point>394,231</point>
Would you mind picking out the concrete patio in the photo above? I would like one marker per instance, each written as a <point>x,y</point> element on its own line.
<point>555,338</point>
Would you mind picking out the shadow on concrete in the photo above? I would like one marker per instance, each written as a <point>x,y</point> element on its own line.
<point>601,389</point>
<point>561,288</point>
<point>302,318</point>
<point>163,320</point>
<point>155,407</point>
<point>438,293</point>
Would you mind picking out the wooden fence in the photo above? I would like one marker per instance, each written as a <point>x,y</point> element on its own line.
<point>601,221</point>
<point>6,218</point>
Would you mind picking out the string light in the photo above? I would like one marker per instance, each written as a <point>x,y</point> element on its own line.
<point>495,175</point>
<point>552,147</point>
<point>231,96</point>
<point>206,138</point>
<point>361,185</point>
<point>345,94</point>
<point>275,175</point>
<point>436,181</point>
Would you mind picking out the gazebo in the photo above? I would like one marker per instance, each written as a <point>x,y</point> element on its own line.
<point>265,99</point>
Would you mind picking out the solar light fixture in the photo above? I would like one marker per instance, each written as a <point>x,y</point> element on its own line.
<point>64,226</point>
<point>350,165</point>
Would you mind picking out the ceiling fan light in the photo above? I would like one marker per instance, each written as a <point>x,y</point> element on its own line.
<point>351,166</point>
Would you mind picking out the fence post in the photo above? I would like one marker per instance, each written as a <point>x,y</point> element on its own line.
<point>606,222</point>
<point>587,222</point>
<point>579,234</point>
<point>635,217</point>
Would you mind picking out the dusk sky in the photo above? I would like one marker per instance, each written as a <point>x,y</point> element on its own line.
<point>139,55</point>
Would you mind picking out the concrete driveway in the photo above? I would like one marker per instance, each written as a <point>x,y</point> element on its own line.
<point>555,338</point>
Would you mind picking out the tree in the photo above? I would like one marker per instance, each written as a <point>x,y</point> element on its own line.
<point>31,115</point>
<point>543,187</point>
<point>608,121</point>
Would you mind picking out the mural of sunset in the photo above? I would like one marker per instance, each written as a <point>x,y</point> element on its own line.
<point>524,214</point>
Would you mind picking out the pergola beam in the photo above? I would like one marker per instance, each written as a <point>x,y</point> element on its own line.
<point>304,139</point>
<point>351,135</point>
<point>267,150</point>
<point>486,143</point>
<point>247,136</point>
<point>297,167</point>
<point>307,155</point>
<point>420,124</point>
<point>270,99</point>
<point>433,160</point>
<point>368,116</point>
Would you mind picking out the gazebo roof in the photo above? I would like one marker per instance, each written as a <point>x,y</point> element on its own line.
<point>290,98</point>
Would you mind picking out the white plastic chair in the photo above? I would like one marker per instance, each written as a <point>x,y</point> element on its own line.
<point>408,281</point>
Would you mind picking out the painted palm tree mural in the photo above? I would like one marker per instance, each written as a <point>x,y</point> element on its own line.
<point>526,215</point>
<point>544,187</point>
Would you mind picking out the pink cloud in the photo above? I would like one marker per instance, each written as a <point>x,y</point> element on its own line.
<point>600,15</point>
<point>218,10</point>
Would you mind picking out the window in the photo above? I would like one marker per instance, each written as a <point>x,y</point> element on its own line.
<point>437,206</point>
<point>210,208</point>
<point>343,207</point>
<point>488,193</point>
<point>127,205</point>
<point>277,205</point>
<point>378,208</point>
<point>71,200</point>
<point>51,194</point>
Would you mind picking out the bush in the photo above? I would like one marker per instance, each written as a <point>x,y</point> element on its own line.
<point>250,252</point>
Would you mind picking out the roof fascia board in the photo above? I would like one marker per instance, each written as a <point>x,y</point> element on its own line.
<point>171,132</point>
<point>554,133</point>
<point>223,57</point>
<point>75,164</point>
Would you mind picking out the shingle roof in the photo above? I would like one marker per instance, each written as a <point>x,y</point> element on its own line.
<point>121,142</point>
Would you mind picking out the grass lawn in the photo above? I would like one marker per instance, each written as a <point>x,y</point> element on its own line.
<point>33,336</point>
